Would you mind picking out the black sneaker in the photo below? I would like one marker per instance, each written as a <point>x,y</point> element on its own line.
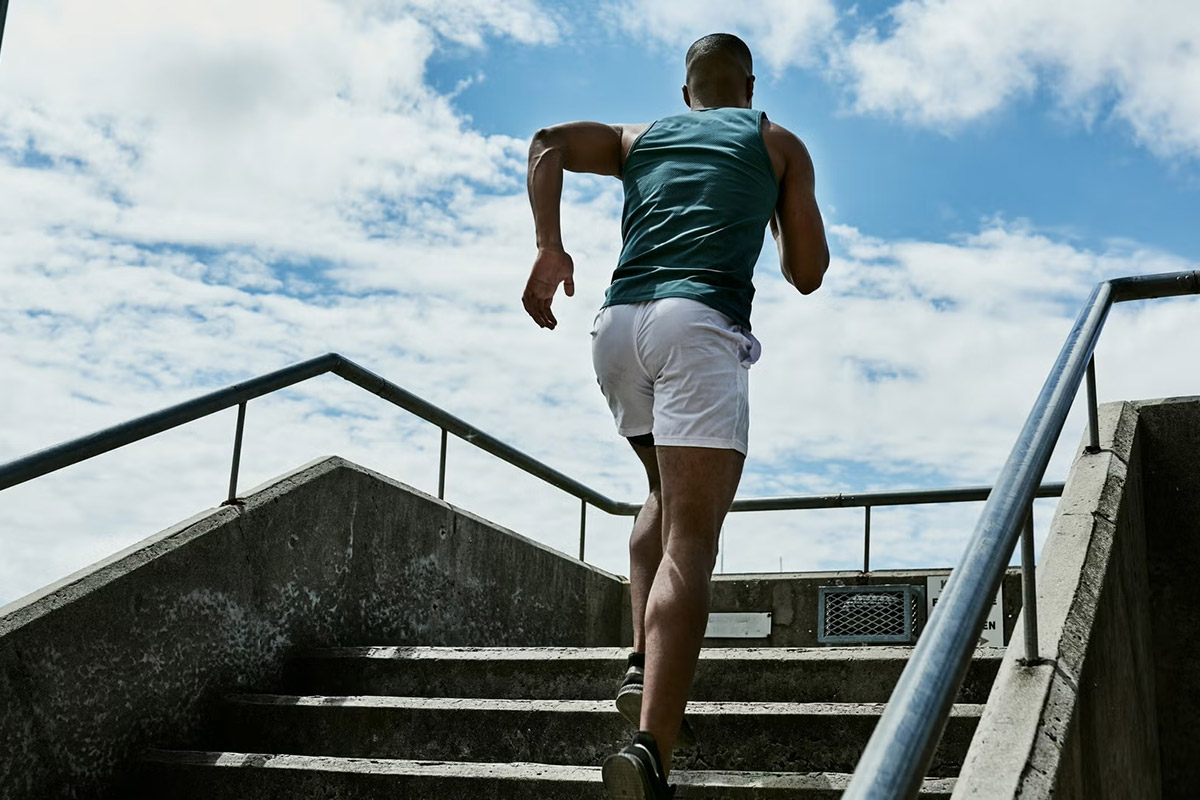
<point>629,693</point>
<point>636,773</point>
<point>629,700</point>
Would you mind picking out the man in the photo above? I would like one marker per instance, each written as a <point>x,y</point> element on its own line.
<point>672,346</point>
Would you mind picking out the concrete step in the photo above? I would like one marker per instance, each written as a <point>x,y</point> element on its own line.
<point>804,737</point>
<point>194,775</point>
<point>826,674</point>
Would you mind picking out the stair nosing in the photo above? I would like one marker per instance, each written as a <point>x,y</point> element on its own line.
<point>695,708</point>
<point>390,653</point>
<point>513,770</point>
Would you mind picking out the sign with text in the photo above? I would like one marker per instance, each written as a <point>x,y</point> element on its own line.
<point>738,626</point>
<point>992,633</point>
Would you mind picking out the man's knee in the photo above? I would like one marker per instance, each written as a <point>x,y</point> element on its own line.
<point>694,542</point>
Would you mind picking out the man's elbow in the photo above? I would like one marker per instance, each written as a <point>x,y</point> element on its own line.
<point>544,139</point>
<point>809,285</point>
<point>808,278</point>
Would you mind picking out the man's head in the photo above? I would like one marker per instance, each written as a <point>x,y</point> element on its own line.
<point>720,72</point>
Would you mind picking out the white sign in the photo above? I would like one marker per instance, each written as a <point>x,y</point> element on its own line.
<point>738,626</point>
<point>992,633</point>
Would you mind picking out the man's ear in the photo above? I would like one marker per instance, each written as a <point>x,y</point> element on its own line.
<point>750,91</point>
<point>687,96</point>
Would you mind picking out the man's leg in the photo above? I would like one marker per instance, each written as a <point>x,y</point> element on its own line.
<point>698,486</point>
<point>645,546</point>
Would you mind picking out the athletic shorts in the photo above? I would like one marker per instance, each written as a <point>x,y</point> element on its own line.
<point>675,368</point>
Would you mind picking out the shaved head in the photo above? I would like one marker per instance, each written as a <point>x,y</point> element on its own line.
<point>720,47</point>
<point>720,70</point>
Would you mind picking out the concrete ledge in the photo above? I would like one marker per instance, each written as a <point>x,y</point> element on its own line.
<point>1079,723</point>
<point>132,652</point>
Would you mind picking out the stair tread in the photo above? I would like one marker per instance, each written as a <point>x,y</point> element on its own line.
<point>873,653</point>
<point>514,771</point>
<point>694,709</point>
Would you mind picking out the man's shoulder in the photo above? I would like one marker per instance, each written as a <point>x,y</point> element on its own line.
<point>782,144</point>
<point>774,133</point>
<point>630,132</point>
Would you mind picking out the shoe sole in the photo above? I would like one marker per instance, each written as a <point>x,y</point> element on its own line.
<point>629,704</point>
<point>623,778</point>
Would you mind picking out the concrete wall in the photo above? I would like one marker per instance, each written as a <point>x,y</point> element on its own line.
<point>792,600</point>
<point>1110,709</point>
<point>130,653</point>
<point>1169,433</point>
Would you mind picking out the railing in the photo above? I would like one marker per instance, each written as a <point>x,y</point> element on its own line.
<point>240,394</point>
<point>903,743</point>
<point>899,751</point>
<point>3,15</point>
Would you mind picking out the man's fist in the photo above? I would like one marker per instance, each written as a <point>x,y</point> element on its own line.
<point>551,267</point>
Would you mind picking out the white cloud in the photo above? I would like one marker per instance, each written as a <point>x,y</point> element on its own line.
<point>188,203</point>
<point>781,33</point>
<point>914,365</point>
<point>930,354</point>
<point>292,125</point>
<point>946,62</point>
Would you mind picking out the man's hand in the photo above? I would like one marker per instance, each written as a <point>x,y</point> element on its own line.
<point>551,267</point>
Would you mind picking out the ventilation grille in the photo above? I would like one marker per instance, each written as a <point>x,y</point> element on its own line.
<point>868,614</point>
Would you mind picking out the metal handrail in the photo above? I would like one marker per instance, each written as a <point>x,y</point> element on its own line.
<point>72,452</point>
<point>54,458</point>
<point>900,749</point>
<point>3,16</point>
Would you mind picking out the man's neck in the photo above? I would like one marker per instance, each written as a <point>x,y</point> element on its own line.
<point>704,105</point>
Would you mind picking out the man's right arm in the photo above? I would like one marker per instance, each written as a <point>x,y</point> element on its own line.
<point>796,224</point>
<point>577,147</point>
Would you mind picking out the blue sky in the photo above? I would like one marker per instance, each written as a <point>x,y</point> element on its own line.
<point>1024,161</point>
<point>186,202</point>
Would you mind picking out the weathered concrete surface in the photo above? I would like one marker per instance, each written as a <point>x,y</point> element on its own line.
<point>791,598</point>
<point>130,653</point>
<point>733,736</point>
<point>1169,432</point>
<point>235,776</point>
<point>1081,722</point>
<point>829,674</point>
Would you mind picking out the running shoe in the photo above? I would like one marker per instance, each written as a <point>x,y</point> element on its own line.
<point>629,699</point>
<point>635,772</point>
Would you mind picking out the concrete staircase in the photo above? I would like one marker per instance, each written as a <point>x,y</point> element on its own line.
<point>425,722</point>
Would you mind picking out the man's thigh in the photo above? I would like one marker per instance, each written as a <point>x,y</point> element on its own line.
<point>698,486</point>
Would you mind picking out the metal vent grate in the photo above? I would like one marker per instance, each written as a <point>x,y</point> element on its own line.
<point>868,614</point>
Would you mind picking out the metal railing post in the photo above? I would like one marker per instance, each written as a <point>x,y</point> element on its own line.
<point>867,540</point>
<point>582,526</point>
<point>442,469</point>
<point>1029,590</point>
<point>237,454</point>
<point>1093,409</point>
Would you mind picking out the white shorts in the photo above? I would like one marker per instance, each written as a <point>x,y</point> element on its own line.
<point>678,369</point>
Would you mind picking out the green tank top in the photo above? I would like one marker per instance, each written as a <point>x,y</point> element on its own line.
<point>699,190</point>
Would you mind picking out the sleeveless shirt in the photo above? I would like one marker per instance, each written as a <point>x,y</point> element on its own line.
<point>699,191</point>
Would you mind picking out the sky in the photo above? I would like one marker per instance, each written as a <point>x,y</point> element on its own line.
<point>195,194</point>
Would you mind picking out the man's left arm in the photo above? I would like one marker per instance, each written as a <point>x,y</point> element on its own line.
<point>579,147</point>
